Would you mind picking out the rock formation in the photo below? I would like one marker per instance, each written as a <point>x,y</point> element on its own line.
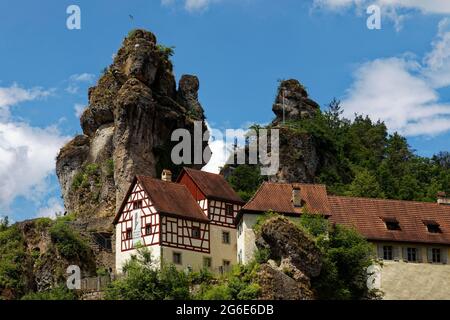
<point>127,127</point>
<point>294,259</point>
<point>299,160</point>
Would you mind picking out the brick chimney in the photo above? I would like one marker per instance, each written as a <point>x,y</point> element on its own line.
<point>166,175</point>
<point>443,198</point>
<point>296,197</point>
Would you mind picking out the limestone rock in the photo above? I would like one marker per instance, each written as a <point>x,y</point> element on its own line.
<point>293,98</point>
<point>132,112</point>
<point>294,260</point>
<point>299,160</point>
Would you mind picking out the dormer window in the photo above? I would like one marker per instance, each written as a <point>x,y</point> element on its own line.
<point>433,227</point>
<point>392,224</point>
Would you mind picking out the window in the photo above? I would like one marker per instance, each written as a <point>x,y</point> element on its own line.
<point>225,237</point>
<point>239,229</point>
<point>148,229</point>
<point>391,224</point>
<point>387,253</point>
<point>436,255</point>
<point>240,256</point>
<point>176,258</point>
<point>226,264</point>
<point>196,232</point>
<point>207,262</point>
<point>411,254</point>
<point>433,228</point>
<point>137,204</point>
<point>129,234</point>
<point>229,210</point>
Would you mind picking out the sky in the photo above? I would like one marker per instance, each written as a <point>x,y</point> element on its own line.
<point>239,49</point>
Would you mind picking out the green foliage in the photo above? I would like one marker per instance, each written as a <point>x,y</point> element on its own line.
<point>315,224</point>
<point>346,257</point>
<point>4,223</point>
<point>13,262</point>
<point>143,281</point>
<point>239,284</point>
<point>58,293</point>
<point>263,218</point>
<point>43,224</point>
<point>366,185</point>
<point>262,255</point>
<point>109,165</point>
<point>245,179</point>
<point>89,174</point>
<point>167,52</point>
<point>68,242</point>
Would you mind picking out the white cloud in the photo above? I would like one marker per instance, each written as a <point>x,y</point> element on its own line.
<point>79,109</point>
<point>27,154</point>
<point>53,208</point>
<point>75,80</point>
<point>190,5</point>
<point>437,62</point>
<point>403,91</point>
<point>425,6</point>
<point>221,144</point>
<point>395,10</point>
<point>14,94</point>
<point>82,77</point>
<point>27,158</point>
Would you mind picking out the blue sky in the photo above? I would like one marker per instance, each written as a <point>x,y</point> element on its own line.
<point>238,49</point>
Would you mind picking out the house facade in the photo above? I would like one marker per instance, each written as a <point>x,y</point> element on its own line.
<point>190,223</point>
<point>221,205</point>
<point>164,217</point>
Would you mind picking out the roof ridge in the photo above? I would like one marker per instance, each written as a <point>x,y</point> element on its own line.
<point>381,199</point>
<point>159,180</point>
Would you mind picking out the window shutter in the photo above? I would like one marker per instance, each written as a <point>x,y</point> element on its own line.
<point>396,253</point>
<point>419,254</point>
<point>405,254</point>
<point>380,251</point>
<point>444,255</point>
<point>429,255</point>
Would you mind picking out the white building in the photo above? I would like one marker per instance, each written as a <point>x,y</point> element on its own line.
<point>190,223</point>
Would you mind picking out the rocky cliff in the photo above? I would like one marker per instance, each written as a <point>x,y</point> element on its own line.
<point>127,126</point>
<point>294,259</point>
<point>299,160</point>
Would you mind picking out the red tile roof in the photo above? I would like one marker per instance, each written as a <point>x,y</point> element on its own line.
<point>169,198</point>
<point>368,216</point>
<point>212,185</point>
<point>278,197</point>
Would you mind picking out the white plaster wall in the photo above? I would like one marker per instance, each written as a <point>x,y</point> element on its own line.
<point>189,258</point>
<point>246,237</point>
<point>221,251</point>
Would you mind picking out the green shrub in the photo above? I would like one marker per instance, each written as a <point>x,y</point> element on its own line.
<point>167,52</point>
<point>69,243</point>
<point>143,281</point>
<point>58,293</point>
<point>13,262</point>
<point>262,255</point>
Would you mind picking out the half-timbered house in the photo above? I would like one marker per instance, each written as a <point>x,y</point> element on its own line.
<point>220,204</point>
<point>164,217</point>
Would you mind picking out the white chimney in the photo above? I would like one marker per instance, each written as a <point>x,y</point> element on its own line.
<point>296,197</point>
<point>166,175</point>
<point>443,199</point>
